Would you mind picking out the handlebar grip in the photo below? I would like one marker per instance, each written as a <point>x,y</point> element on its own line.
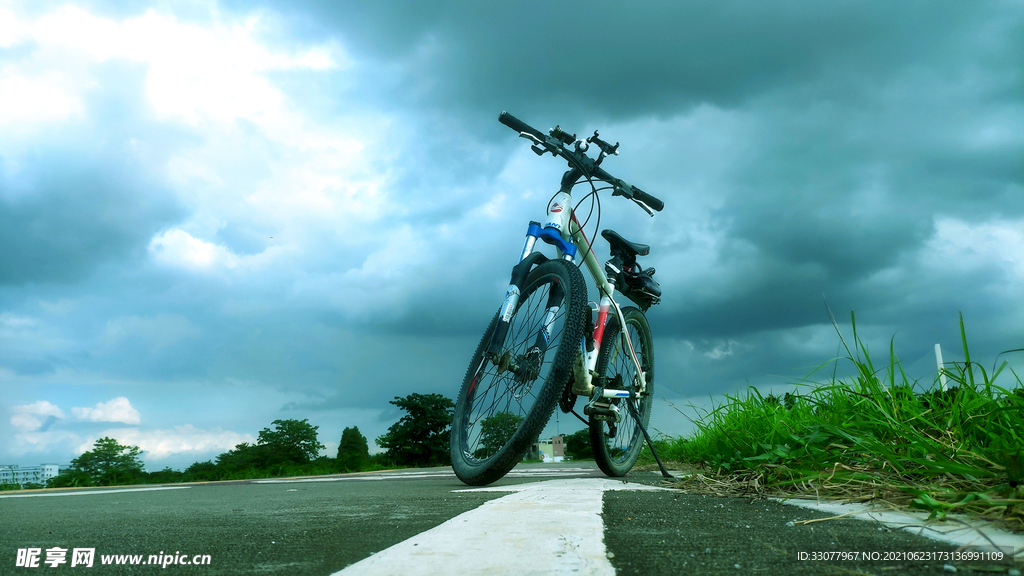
<point>518,125</point>
<point>646,198</point>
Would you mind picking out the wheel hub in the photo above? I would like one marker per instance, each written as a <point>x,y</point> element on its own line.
<point>526,370</point>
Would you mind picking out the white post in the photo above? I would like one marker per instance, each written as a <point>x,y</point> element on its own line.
<point>938,362</point>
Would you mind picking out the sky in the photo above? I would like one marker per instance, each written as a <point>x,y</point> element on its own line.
<point>214,215</point>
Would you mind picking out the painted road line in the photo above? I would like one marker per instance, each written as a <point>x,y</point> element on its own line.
<point>553,472</point>
<point>83,493</point>
<point>551,527</point>
<point>360,477</point>
<point>420,475</point>
<point>958,530</point>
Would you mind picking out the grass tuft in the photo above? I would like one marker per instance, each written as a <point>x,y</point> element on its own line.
<point>871,438</point>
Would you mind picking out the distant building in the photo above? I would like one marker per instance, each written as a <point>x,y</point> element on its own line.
<point>551,450</point>
<point>21,475</point>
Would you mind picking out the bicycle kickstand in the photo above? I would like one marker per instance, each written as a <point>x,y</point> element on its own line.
<point>636,417</point>
<point>601,409</point>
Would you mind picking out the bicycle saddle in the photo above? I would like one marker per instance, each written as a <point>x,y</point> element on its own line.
<point>631,248</point>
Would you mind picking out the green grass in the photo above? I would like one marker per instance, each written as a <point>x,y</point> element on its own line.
<point>871,437</point>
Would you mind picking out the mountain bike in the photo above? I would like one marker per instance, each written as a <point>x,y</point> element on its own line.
<point>544,347</point>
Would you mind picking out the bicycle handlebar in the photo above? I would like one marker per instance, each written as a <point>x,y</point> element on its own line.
<point>554,143</point>
<point>646,198</point>
<point>519,126</point>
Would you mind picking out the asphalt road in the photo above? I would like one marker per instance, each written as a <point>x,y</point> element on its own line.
<point>322,525</point>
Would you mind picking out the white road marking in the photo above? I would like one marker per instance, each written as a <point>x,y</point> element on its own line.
<point>551,527</point>
<point>959,530</point>
<point>528,473</point>
<point>82,493</point>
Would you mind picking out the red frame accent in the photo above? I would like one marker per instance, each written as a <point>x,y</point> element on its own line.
<point>602,319</point>
<point>602,315</point>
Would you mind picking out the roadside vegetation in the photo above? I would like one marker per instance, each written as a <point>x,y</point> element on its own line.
<point>871,437</point>
<point>287,448</point>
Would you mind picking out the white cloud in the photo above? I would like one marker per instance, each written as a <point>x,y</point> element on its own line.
<point>964,245</point>
<point>35,442</point>
<point>195,72</point>
<point>178,248</point>
<point>722,349</point>
<point>156,444</point>
<point>28,417</point>
<point>117,410</point>
<point>257,157</point>
<point>34,100</point>
<point>187,439</point>
<point>11,28</point>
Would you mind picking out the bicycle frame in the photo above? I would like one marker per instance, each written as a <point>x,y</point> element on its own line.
<point>563,231</point>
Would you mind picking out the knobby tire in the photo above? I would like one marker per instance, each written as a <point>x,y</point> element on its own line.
<point>616,455</point>
<point>487,392</point>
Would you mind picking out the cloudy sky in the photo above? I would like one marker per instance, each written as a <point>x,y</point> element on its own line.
<point>217,214</point>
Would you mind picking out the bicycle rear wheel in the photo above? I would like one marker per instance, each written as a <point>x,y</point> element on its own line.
<point>617,446</point>
<point>503,406</point>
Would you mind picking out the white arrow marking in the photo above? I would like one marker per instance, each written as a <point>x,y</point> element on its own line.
<point>551,527</point>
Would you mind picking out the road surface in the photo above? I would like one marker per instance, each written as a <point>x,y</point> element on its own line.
<point>541,518</point>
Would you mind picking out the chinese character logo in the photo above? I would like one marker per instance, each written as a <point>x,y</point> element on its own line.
<point>28,557</point>
<point>83,557</point>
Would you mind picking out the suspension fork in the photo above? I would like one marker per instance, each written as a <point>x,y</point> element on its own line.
<point>520,271</point>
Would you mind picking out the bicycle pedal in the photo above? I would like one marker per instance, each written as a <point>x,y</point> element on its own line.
<point>603,412</point>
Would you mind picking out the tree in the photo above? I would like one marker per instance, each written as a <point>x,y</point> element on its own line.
<point>353,450</point>
<point>200,471</point>
<point>70,477</point>
<point>109,463</point>
<point>421,437</point>
<point>495,431</point>
<point>291,441</point>
<point>165,476</point>
<point>577,445</point>
<point>243,457</point>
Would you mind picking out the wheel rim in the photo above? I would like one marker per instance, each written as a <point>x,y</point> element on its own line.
<point>494,392</point>
<point>620,448</point>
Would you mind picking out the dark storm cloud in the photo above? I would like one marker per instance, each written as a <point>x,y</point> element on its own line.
<point>862,108</point>
<point>80,212</point>
<point>863,123</point>
<point>85,194</point>
<point>621,60</point>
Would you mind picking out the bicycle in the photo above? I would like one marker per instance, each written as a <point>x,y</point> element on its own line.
<point>543,346</point>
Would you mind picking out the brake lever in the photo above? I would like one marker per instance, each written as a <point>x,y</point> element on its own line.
<point>549,144</point>
<point>644,206</point>
<point>621,188</point>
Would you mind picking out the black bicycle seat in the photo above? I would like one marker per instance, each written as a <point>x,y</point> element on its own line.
<point>631,248</point>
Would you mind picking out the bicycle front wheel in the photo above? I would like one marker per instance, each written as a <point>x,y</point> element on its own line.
<point>504,404</point>
<point>617,446</point>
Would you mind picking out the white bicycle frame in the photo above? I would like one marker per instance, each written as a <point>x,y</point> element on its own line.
<point>560,219</point>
